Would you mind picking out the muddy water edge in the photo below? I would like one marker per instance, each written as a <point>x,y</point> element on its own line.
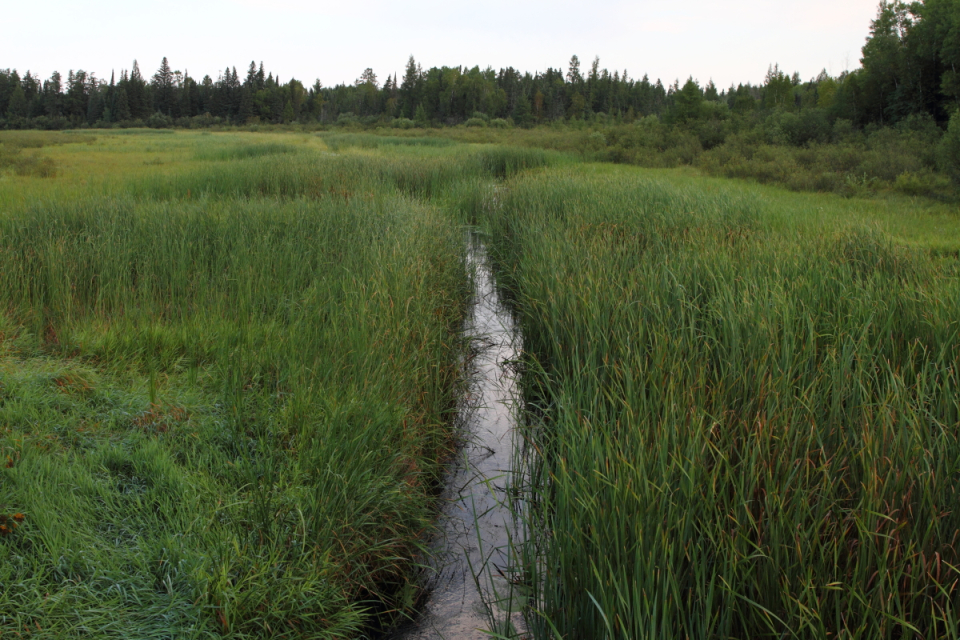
<point>470,592</point>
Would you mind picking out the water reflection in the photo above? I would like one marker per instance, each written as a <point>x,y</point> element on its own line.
<point>471,559</point>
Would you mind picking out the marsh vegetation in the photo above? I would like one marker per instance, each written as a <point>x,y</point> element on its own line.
<point>230,365</point>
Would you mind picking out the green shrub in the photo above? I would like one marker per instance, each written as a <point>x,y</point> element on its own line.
<point>922,183</point>
<point>948,152</point>
<point>159,121</point>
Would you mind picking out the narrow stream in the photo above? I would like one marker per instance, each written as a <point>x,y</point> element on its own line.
<point>471,558</point>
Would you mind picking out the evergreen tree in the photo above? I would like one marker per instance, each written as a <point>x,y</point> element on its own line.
<point>17,105</point>
<point>778,89</point>
<point>246,110</point>
<point>137,98</point>
<point>51,94</point>
<point>523,113</point>
<point>573,72</point>
<point>409,90</point>
<point>121,108</point>
<point>95,106</point>
<point>687,103</point>
<point>163,88</point>
<point>8,80</point>
<point>420,116</point>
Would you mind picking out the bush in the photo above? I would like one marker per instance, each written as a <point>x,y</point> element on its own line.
<point>475,122</point>
<point>948,151</point>
<point>159,121</point>
<point>50,123</point>
<point>844,131</point>
<point>922,183</point>
<point>499,123</point>
<point>402,123</point>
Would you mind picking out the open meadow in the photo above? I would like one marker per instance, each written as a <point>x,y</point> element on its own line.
<point>231,364</point>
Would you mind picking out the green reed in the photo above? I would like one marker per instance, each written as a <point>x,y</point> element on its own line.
<point>742,430</point>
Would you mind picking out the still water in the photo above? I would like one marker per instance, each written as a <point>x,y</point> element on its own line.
<point>471,561</point>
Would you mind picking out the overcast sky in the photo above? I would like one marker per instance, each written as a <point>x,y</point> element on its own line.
<point>729,42</point>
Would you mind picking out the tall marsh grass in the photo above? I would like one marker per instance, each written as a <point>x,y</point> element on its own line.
<point>225,402</point>
<point>742,432</point>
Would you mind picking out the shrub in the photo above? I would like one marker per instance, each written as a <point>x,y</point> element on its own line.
<point>948,151</point>
<point>159,121</point>
<point>922,183</point>
<point>844,131</point>
<point>475,122</point>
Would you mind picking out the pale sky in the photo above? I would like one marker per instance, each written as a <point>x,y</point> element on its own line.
<point>729,42</point>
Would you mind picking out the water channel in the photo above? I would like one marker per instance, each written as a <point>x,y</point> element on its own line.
<point>471,559</point>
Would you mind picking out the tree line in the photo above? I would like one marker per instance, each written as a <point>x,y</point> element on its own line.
<point>909,69</point>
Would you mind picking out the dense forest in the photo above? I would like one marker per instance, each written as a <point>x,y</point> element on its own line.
<point>909,68</point>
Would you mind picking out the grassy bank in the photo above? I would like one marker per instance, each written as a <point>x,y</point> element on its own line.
<point>746,420</point>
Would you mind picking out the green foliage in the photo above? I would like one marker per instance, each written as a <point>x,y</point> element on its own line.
<point>420,116</point>
<point>949,149</point>
<point>159,121</point>
<point>777,90</point>
<point>687,103</point>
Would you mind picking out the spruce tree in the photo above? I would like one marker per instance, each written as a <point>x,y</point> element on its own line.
<point>137,94</point>
<point>17,106</point>
<point>121,108</point>
<point>163,88</point>
<point>409,89</point>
